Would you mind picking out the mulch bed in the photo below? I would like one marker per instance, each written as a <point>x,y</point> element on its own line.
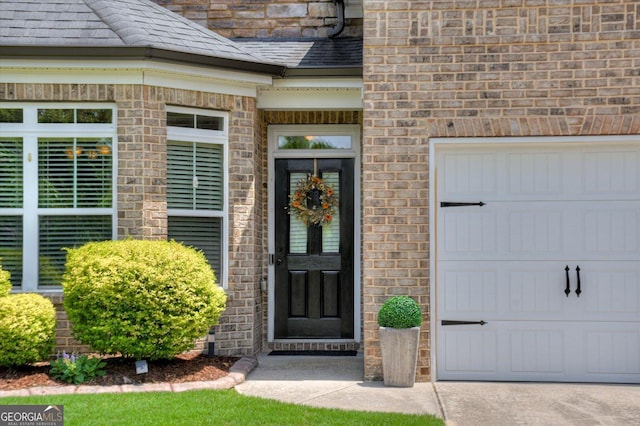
<point>189,367</point>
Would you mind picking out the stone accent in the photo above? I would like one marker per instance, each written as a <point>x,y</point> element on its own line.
<point>474,68</point>
<point>264,19</point>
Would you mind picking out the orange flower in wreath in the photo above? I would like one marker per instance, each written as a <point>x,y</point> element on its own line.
<point>313,202</point>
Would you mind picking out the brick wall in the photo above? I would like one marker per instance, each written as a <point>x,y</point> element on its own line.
<point>463,68</point>
<point>264,19</point>
<point>142,189</point>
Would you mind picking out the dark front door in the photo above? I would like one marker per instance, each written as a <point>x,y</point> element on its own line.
<point>314,263</point>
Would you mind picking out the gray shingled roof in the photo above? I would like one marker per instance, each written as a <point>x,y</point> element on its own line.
<point>345,52</point>
<point>112,24</point>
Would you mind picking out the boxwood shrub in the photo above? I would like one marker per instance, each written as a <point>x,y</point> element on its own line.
<point>27,329</point>
<point>400,312</point>
<point>141,299</point>
<point>5,282</point>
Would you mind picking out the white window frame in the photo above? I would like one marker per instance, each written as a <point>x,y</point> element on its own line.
<point>30,131</point>
<point>213,137</point>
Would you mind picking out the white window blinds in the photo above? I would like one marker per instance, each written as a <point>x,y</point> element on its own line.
<point>194,176</point>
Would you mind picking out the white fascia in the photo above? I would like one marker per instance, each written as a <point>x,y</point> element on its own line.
<point>154,73</point>
<point>312,93</point>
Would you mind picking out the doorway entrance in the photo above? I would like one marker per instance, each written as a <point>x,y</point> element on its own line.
<point>314,290</point>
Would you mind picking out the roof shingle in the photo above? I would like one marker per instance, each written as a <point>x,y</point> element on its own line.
<point>112,23</point>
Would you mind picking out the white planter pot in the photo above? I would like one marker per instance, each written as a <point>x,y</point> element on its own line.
<point>399,355</point>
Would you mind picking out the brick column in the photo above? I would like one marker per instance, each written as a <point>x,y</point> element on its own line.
<point>395,178</point>
<point>142,152</point>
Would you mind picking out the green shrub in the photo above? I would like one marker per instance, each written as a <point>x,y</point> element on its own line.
<point>27,329</point>
<point>76,369</point>
<point>5,282</point>
<point>142,299</point>
<point>400,312</point>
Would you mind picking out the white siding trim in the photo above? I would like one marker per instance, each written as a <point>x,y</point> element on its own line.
<point>313,98</point>
<point>133,72</point>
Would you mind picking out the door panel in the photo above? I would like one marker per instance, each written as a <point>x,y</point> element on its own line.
<point>501,277</point>
<point>314,264</point>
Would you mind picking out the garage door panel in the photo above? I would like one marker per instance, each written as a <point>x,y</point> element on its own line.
<point>517,351</point>
<point>610,231</point>
<point>536,351</point>
<point>479,233</point>
<point>470,232</point>
<point>610,172</point>
<point>541,351</point>
<point>469,174</point>
<point>610,291</point>
<point>544,172</point>
<point>470,291</point>
<point>549,230</point>
<point>535,175</point>
<point>613,351</point>
<point>466,349</point>
<point>475,291</point>
<point>534,293</point>
<point>554,219</point>
<point>535,232</point>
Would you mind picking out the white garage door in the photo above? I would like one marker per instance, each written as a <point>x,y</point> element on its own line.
<point>542,281</point>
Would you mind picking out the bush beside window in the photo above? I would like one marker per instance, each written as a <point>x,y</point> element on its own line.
<point>27,326</point>
<point>141,299</point>
<point>5,282</point>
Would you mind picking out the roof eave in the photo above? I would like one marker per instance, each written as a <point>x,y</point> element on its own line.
<point>143,52</point>
<point>339,71</point>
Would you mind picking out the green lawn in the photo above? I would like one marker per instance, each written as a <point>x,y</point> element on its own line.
<point>205,407</point>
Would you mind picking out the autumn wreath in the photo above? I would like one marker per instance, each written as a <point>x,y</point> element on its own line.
<point>313,201</point>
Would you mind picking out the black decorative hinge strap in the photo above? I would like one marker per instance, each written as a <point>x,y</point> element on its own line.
<point>453,322</point>
<point>455,204</point>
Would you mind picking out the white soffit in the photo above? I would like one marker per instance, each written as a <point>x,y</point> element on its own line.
<point>132,72</point>
<point>305,93</point>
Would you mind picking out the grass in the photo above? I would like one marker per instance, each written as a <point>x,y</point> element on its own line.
<point>206,407</point>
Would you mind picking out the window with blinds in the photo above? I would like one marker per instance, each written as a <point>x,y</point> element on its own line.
<point>11,172</point>
<point>11,195</point>
<point>74,172</point>
<point>203,233</point>
<point>56,186</point>
<point>11,247</point>
<point>194,176</point>
<point>196,186</point>
<point>60,232</point>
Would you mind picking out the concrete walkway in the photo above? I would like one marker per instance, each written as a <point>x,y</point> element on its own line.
<point>336,382</point>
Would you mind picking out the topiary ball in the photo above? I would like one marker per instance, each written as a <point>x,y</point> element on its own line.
<point>400,312</point>
<point>141,299</point>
